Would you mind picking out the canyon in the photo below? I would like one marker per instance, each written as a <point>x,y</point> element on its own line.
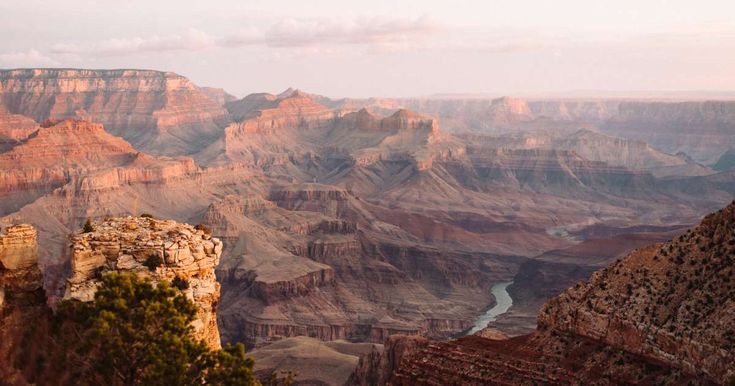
<point>343,222</point>
<point>661,315</point>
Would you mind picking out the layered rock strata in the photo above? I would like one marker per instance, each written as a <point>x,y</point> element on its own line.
<point>22,302</point>
<point>158,249</point>
<point>19,271</point>
<point>159,112</point>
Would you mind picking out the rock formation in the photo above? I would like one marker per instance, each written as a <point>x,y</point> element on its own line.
<point>78,152</point>
<point>22,300</point>
<point>672,302</point>
<point>19,271</point>
<point>313,361</point>
<point>296,110</point>
<point>15,128</point>
<point>218,95</point>
<point>159,249</point>
<point>662,315</point>
<point>158,112</point>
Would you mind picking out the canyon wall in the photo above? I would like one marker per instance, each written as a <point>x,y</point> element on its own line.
<point>158,112</point>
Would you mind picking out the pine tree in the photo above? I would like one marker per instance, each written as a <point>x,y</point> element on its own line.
<point>138,333</point>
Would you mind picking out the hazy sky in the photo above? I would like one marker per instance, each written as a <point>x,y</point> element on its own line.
<point>386,47</point>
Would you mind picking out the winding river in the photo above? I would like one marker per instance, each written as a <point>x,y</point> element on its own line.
<point>503,303</point>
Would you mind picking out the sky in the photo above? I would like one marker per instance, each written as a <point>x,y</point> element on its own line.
<point>382,48</point>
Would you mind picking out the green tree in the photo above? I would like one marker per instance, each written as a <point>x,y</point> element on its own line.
<point>138,333</point>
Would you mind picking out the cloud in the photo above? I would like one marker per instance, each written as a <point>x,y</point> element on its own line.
<point>288,33</point>
<point>367,31</point>
<point>30,58</point>
<point>244,37</point>
<point>192,39</point>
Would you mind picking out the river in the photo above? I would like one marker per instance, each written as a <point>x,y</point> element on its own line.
<point>503,301</point>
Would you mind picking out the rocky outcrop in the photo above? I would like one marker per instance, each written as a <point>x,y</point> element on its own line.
<point>408,120</point>
<point>69,144</point>
<point>19,271</point>
<point>269,130</point>
<point>14,128</point>
<point>243,108</point>
<point>555,170</point>
<point>525,360</point>
<point>671,302</point>
<point>23,311</point>
<point>292,197</point>
<point>18,247</point>
<point>400,120</point>
<point>271,292</point>
<point>376,368</point>
<point>297,111</point>
<point>326,226</point>
<point>295,129</point>
<point>218,95</point>
<point>617,151</point>
<point>83,157</point>
<point>509,110</point>
<point>313,361</point>
<point>159,249</point>
<point>329,200</point>
<point>159,112</point>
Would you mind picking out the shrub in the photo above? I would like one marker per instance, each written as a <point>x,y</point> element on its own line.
<point>146,215</point>
<point>203,228</point>
<point>153,261</point>
<point>88,228</point>
<point>180,283</point>
<point>99,272</point>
